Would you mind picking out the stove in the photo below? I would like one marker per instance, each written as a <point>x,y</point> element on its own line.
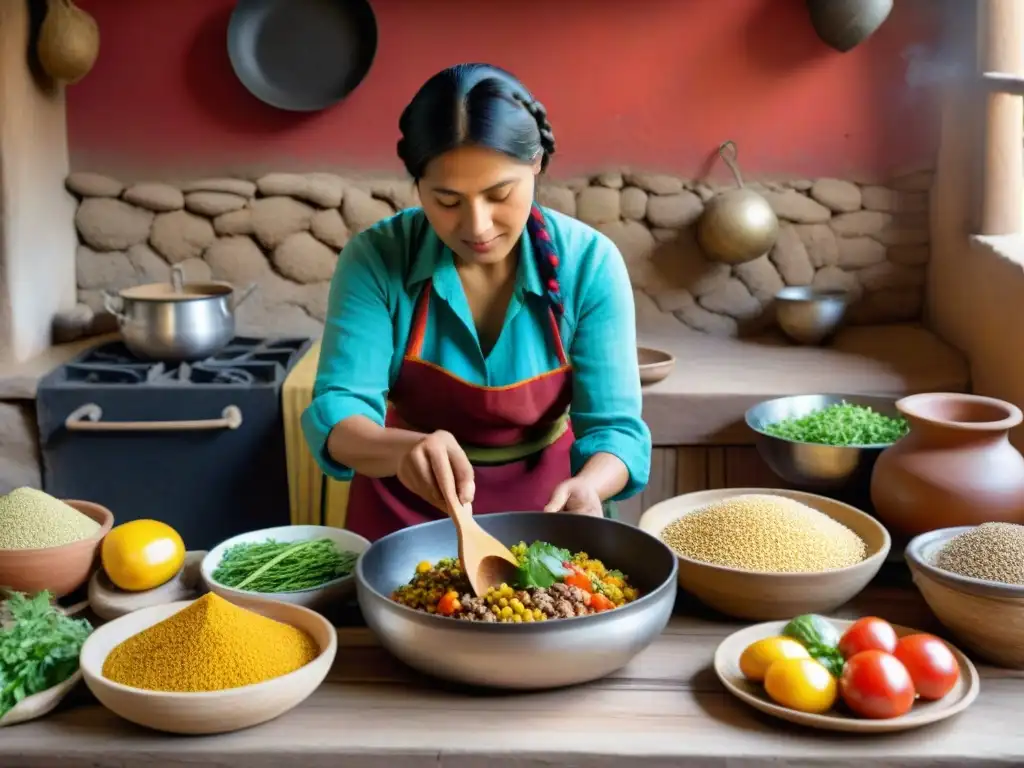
<point>199,446</point>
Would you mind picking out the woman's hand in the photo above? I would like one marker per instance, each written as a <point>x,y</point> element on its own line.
<point>578,496</point>
<point>435,467</point>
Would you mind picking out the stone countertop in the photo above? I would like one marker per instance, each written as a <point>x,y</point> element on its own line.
<point>715,380</point>
<point>665,708</point>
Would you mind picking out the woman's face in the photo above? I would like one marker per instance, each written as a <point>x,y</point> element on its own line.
<point>478,200</point>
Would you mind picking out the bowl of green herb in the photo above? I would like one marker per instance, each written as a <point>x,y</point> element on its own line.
<point>307,565</point>
<point>825,442</point>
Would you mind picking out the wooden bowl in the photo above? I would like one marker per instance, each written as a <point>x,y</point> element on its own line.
<point>655,365</point>
<point>727,668</point>
<point>61,570</point>
<point>207,712</point>
<point>317,598</point>
<point>987,617</point>
<point>762,596</point>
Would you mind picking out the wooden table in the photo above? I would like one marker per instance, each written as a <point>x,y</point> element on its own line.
<point>666,708</point>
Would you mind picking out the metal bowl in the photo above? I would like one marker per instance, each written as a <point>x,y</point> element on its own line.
<point>548,654</point>
<point>808,315</point>
<point>813,466</point>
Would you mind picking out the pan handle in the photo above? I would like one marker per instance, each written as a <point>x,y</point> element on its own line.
<point>89,418</point>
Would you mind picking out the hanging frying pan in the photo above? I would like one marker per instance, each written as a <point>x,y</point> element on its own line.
<point>302,55</point>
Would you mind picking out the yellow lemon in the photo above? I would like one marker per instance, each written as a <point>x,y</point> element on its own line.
<point>801,684</point>
<point>142,554</point>
<point>759,655</point>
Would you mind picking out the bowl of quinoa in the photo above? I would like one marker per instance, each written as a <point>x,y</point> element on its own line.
<point>766,554</point>
<point>49,543</point>
<point>972,578</point>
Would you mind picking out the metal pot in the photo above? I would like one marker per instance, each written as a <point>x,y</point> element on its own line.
<point>845,24</point>
<point>547,654</point>
<point>737,225</point>
<point>176,321</point>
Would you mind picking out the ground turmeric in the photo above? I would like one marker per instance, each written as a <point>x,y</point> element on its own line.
<point>211,645</point>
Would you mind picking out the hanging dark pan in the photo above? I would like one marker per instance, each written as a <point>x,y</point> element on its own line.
<point>302,55</point>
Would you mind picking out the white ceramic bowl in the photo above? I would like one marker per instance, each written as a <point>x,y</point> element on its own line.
<point>207,712</point>
<point>316,598</point>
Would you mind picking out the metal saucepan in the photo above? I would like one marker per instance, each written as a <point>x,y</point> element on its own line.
<point>547,654</point>
<point>302,55</point>
<point>176,321</point>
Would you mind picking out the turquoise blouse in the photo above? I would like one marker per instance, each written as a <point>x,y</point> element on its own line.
<point>369,317</point>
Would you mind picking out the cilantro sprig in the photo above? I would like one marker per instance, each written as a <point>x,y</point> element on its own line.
<point>39,646</point>
<point>842,424</point>
<point>543,565</point>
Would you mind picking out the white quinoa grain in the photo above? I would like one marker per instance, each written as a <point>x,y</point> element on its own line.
<point>32,519</point>
<point>762,532</point>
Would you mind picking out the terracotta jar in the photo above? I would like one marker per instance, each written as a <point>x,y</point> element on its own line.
<point>955,467</point>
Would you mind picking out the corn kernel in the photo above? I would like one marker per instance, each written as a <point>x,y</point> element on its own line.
<point>517,619</point>
<point>503,602</point>
<point>423,567</point>
<point>506,612</point>
<point>496,610</point>
<point>528,617</point>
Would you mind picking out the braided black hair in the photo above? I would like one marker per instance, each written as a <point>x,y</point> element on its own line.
<point>483,105</point>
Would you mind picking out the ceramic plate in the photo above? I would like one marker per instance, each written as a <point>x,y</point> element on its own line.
<point>727,667</point>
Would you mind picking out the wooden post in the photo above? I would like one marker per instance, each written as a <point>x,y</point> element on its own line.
<point>1001,49</point>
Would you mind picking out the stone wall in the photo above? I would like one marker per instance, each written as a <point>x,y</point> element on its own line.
<point>284,231</point>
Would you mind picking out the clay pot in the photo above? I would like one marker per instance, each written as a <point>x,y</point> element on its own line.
<point>955,467</point>
<point>69,41</point>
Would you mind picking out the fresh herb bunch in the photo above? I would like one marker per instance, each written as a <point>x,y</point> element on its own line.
<point>288,566</point>
<point>842,424</point>
<point>39,647</point>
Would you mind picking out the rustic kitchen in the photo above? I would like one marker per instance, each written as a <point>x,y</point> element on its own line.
<point>820,206</point>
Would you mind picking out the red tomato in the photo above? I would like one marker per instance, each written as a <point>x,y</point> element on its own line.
<point>876,685</point>
<point>932,666</point>
<point>867,634</point>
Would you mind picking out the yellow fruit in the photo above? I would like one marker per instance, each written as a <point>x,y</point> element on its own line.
<point>142,554</point>
<point>759,655</point>
<point>801,684</point>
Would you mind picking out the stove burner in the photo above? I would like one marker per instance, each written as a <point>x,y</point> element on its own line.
<point>245,362</point>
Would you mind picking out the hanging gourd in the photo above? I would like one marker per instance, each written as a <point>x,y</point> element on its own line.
<point>738,225</point>
<point>845,24</point>
<point>69,41</point>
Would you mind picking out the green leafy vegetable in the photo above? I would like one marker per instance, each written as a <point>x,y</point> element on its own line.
<point>821,639</point>
<point>272,566</point>
<point>841,424</point>
<point>39,647</point>
<point>543,565</point>
<point>812,630</point>
<point>830,658</point>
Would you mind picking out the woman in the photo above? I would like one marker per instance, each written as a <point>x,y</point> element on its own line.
<point>480,348</point>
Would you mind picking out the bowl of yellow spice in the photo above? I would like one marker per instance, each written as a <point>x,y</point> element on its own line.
<point>208,665</point>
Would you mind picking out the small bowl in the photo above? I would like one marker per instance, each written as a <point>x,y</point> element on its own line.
<point>985,616</point>
<point>810,316</point>
<point>207,712</point>
<point>813,466</point>
<point>315,598</point>
<point>763,596</point>
<point>655,364</point>
<point>61,570</point>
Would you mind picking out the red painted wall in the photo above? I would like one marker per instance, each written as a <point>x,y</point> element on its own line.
<point>653,84</point>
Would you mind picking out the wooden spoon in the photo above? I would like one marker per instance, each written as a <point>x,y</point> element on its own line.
<point>485,560</point>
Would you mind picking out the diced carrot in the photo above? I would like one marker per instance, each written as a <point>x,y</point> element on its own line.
<point>448,604</point>
<point>600,603</point>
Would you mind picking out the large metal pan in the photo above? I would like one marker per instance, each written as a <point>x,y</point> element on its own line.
<point>547,654</point>
<point>302,55</point>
